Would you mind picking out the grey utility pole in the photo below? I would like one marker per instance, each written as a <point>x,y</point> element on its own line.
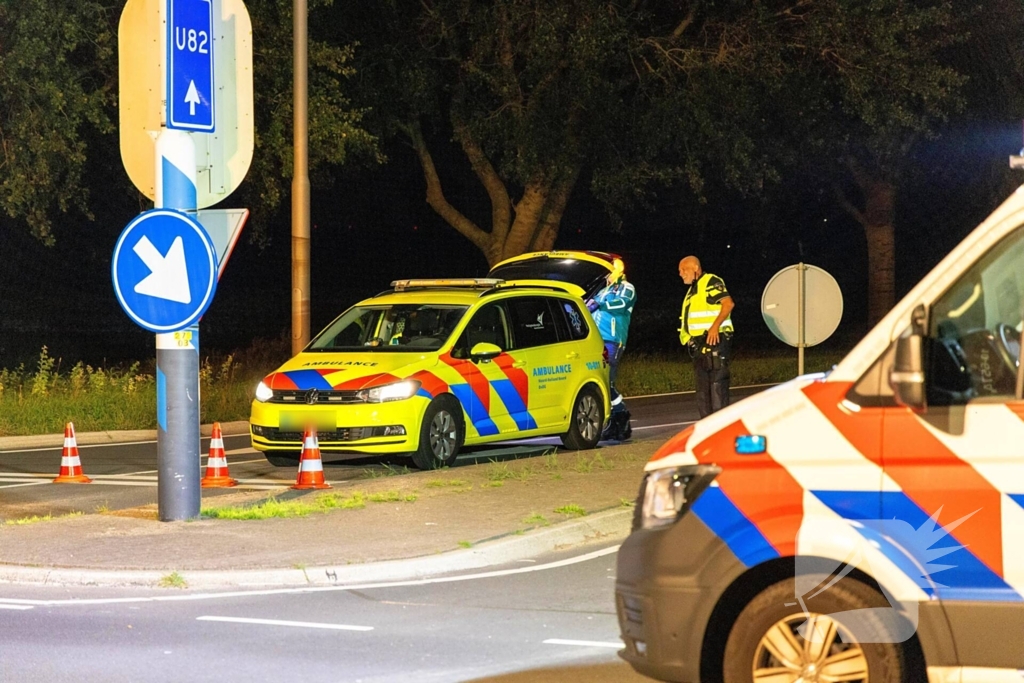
<point>300,181</point>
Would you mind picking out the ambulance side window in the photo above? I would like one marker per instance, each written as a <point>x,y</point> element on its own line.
<point>974,329</point>
<point>532,322</point>
<point>576,322</point>
<point>489,324</point>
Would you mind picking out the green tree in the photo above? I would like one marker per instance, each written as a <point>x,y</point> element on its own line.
<point>58,99</point>
<point>637,95</point>
<point>57,89</point>
<point>336,134</point>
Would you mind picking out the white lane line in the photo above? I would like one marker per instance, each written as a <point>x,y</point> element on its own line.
<point>27,479</point>
<point>315,589</point>
<point>31,483</point>
<point>104,445</point>
<point>278,622</point>
<point>668,424</point>
<point>583,643</point>
<point>19,607</point>
<point>26,475</point>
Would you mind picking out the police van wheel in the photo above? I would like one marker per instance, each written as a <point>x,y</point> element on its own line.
<point>766,640</point>
<point>284,459</point>
<point>586,420</point>
<point>441,434</point>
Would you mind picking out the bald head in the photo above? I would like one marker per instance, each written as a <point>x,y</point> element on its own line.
<point>689,269</point>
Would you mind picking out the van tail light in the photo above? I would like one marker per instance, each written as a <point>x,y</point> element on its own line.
<point>604,354</point>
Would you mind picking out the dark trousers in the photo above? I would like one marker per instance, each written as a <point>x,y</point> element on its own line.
<point>712,383</point>
<point>614,356</point>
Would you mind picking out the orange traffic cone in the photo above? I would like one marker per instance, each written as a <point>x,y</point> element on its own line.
<point>217,465</point>
<point>70,463</point>
<point>311,467</point>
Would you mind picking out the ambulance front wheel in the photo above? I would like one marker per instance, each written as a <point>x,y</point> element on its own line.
<point>840,634</point>
<point>441,434</point>
<point>586,420</point>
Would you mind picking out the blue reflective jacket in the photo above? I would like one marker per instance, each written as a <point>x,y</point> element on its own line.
<point>612,308</point>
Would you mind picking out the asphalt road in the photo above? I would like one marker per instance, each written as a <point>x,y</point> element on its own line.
<point>540,621</point>
<point>124,475</point>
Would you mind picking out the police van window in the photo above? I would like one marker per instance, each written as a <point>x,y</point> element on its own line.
<point>974,329</point>
<point>532,322</point>
<point>489,324</point>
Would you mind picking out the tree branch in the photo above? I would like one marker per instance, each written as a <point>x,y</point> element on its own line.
<point>501,206</point>
<point>435,195</point>
<point>848,206</point>
<point>551,219</point>
<point>685,23</point>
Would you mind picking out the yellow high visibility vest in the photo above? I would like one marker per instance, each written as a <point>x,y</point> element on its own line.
<point>702,304</point>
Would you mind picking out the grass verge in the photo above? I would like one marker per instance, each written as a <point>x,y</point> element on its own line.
<point>42,399</point>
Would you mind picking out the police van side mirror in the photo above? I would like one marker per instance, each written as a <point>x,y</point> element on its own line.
<point>907,377</point>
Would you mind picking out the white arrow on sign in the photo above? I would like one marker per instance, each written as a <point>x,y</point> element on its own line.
<point>168,278</point>
<point>192,98</point>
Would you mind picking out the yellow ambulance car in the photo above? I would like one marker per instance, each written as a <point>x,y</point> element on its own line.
<point>432,365</point>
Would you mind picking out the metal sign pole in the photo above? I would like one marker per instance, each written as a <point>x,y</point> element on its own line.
<point>801,312</point>
<point>177,356</point>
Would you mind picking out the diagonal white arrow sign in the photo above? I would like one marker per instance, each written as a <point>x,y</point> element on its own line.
<point>192,98</point>
<point>168,277</point>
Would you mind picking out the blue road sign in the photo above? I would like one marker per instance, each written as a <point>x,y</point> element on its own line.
<point>190,83</point>
<point>164,270</point>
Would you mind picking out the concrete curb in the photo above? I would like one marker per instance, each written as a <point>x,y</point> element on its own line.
<point>609,525</point>
<point>13,443</point>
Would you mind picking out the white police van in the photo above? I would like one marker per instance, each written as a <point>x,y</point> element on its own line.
<point>866,524</point>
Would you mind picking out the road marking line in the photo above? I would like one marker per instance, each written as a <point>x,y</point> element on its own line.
<point>19,607</point>
<point>26,475</point>
<point>278,622</point>
<point>31,483</point>
<point>110,480</point>
<point>59,447</point>
<point>583,643</point>
<point>315,589</point>
<point>669,424</point>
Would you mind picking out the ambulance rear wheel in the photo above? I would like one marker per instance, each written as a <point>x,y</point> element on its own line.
<point>586,420</point>
<point>441,434</point>
<point>767,640</point>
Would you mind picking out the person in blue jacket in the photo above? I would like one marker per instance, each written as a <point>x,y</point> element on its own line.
<point>612,308</point>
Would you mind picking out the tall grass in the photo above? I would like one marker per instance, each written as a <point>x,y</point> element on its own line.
<point>42,399</point>
<point>641,374</point>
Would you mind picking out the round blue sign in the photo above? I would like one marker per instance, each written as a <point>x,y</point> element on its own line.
<point>164,270</point>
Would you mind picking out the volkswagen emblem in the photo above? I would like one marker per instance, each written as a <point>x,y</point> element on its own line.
<point>312,396</point>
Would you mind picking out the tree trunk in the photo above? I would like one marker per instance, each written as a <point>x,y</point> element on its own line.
<point>877,217</point>
<point>538,213</point>
<point>878,228</point>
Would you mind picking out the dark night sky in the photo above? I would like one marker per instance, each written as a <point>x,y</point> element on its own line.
<point>375,227</point>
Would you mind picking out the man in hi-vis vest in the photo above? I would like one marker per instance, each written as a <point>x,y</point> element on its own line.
<point>706,331</point>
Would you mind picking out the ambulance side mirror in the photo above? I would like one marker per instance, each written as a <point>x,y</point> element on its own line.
<point>484,352</point>
<point>907,377</point>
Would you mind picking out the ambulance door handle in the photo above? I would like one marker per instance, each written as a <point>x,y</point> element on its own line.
<point>574,354</point>
<point>519,364</point>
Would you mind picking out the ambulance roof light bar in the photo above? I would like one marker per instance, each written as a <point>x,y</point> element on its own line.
<point>402,285</point>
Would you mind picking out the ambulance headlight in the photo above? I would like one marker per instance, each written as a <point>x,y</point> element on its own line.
<point>397,391</point>
<point>264,393</point>
<point>669,493</point>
